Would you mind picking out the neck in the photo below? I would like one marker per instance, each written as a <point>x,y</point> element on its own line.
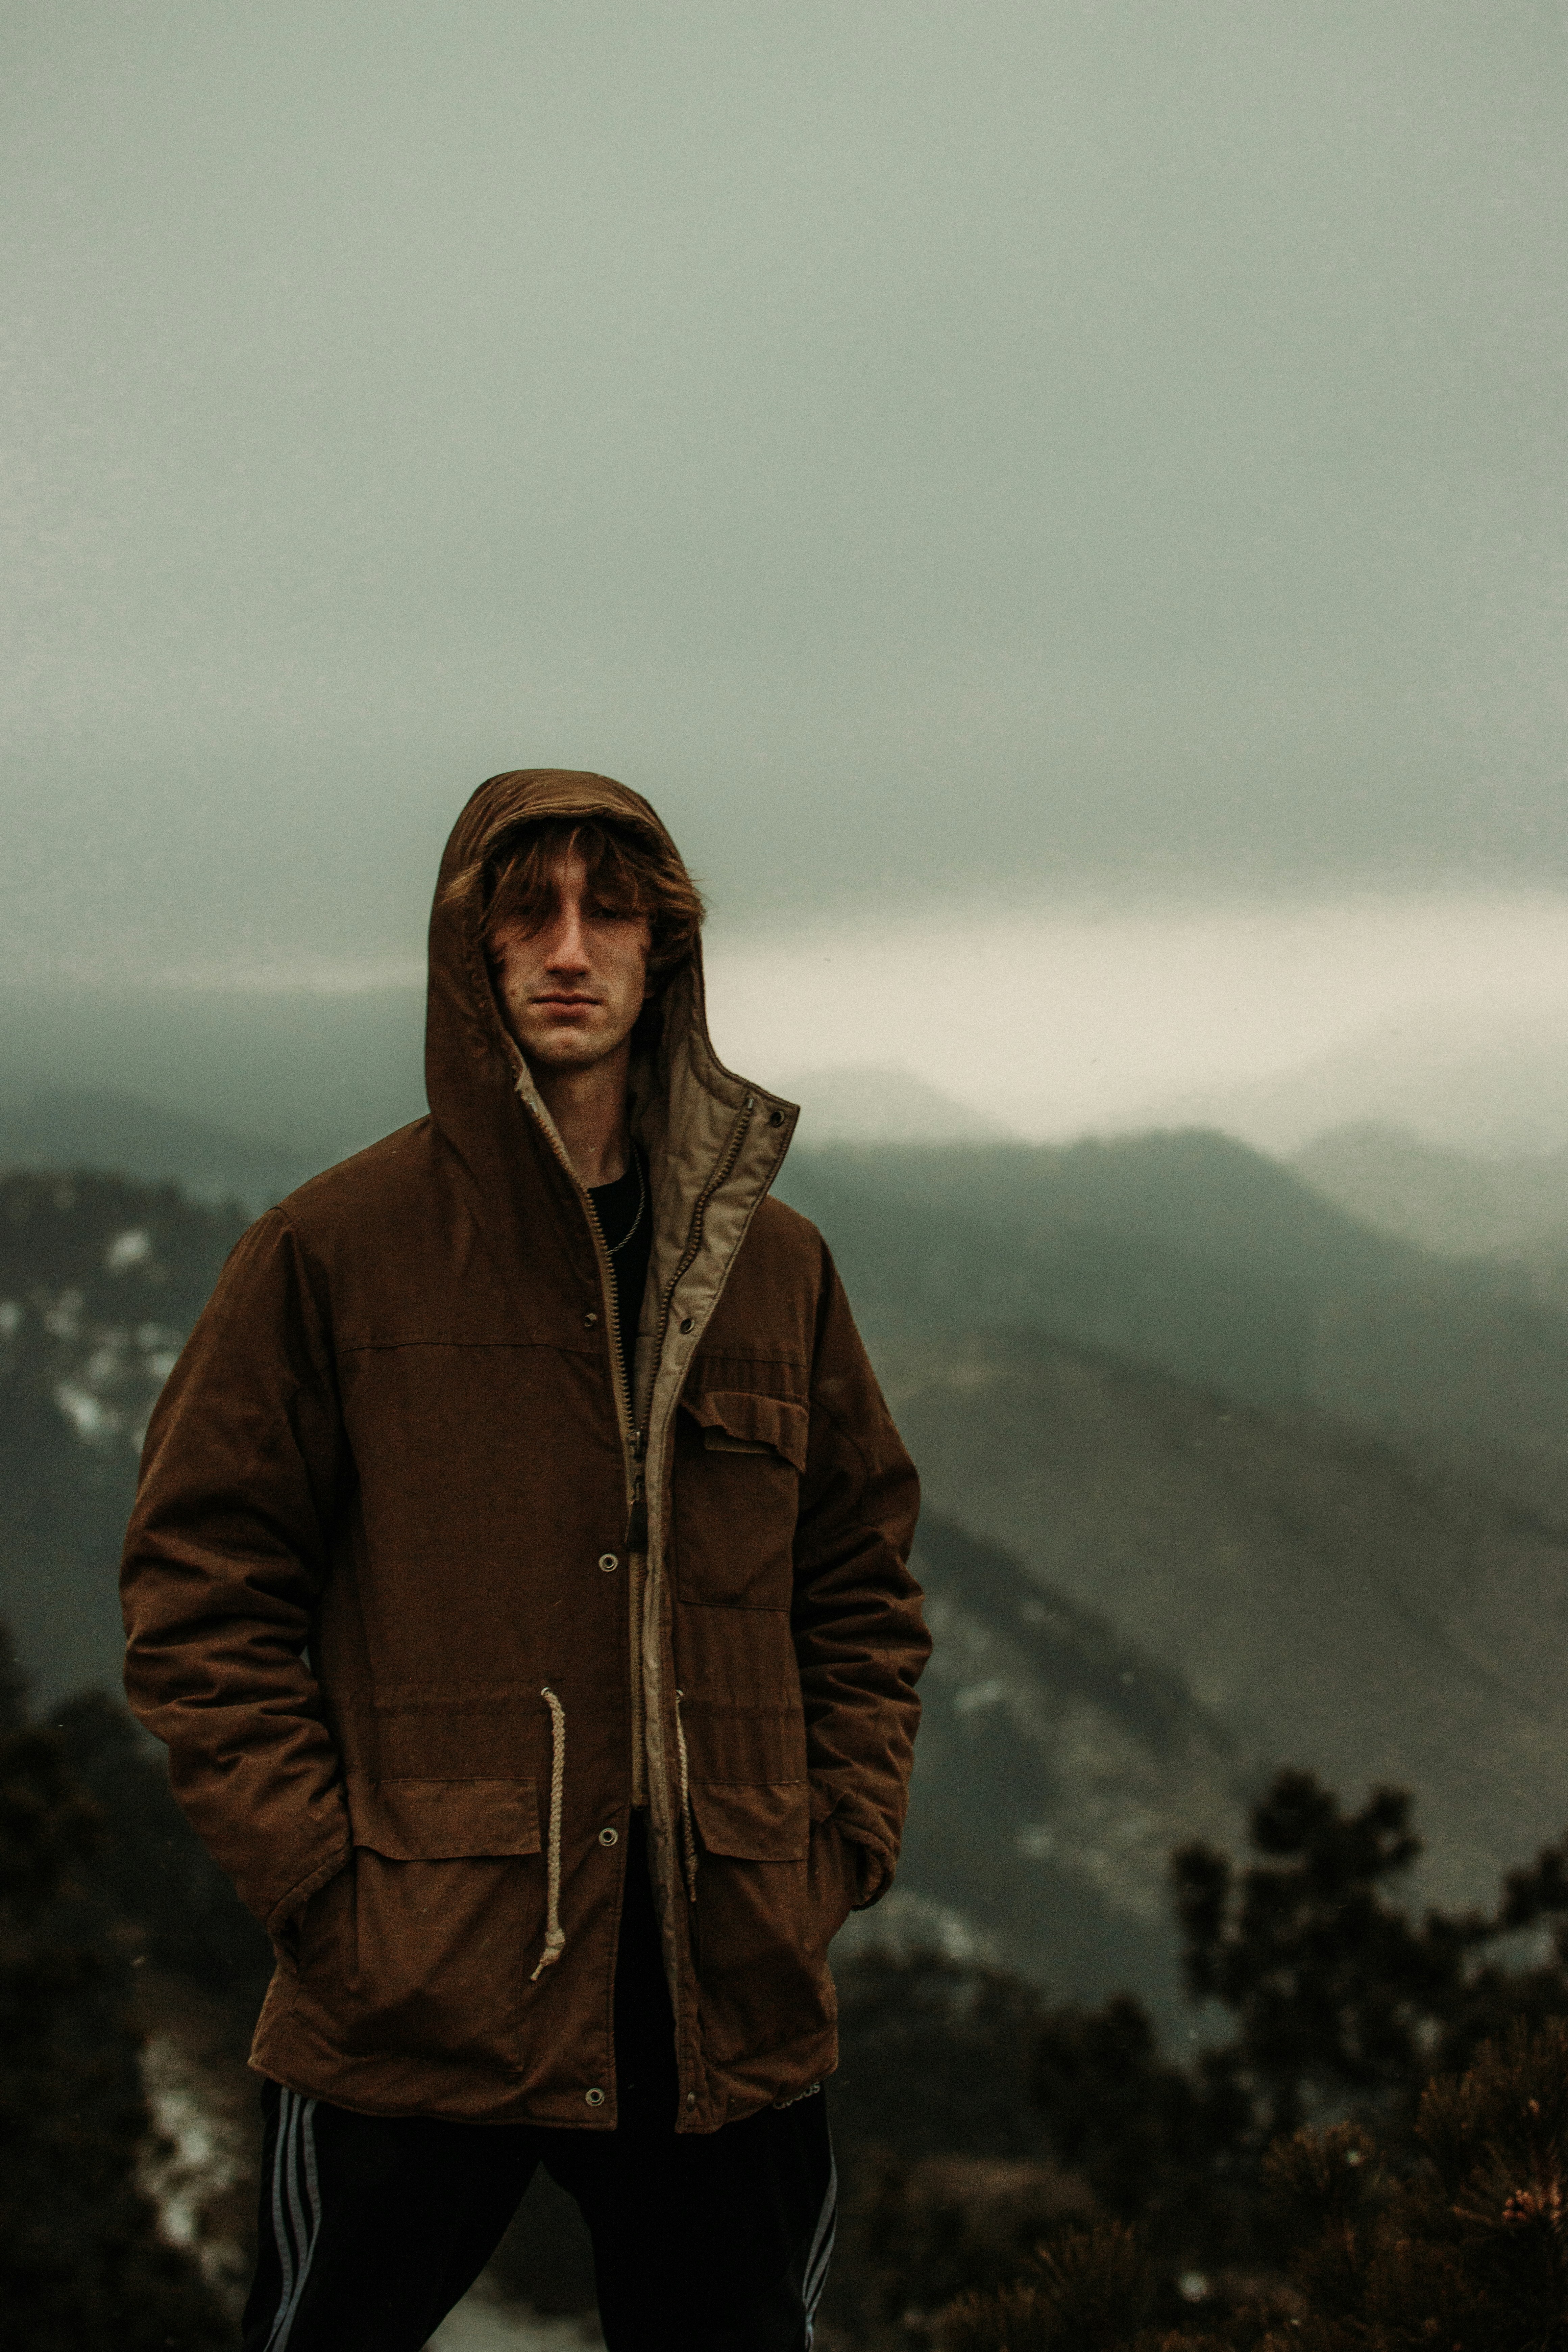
<point>589,1108</point>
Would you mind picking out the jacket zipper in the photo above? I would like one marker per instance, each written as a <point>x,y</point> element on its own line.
<point>633,1444</point>
<point>633,1448</point>
<point>653,1727</point>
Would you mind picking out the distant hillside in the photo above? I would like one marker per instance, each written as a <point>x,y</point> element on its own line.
<point>304,1065</point>
<point>1059,1762</point>
<point>1451,1202</point>
<point>100,1281</point>
<point>1196,1255</point>
<point>126,1135</point>
<point>1311,1596</point>
<point>1187,1252</point>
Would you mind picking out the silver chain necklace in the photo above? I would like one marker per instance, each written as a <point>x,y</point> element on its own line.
<point>616,1247</point>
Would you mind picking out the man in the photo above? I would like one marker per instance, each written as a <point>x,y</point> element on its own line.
<point>518,1579</point>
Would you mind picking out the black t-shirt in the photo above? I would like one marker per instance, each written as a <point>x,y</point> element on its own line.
<point>625,1212</point>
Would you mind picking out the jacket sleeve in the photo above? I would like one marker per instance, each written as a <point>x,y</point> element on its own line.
<point>224,1560</point>
<point>860,1639</point>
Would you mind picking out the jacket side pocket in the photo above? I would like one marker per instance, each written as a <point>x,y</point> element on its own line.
<point>416,1949</point>
<point>768,1901</point>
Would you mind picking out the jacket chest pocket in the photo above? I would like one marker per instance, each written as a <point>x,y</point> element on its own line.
<point>738,1463</point>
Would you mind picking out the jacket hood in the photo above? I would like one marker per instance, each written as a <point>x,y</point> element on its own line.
<point>684,1102</point>
<point>469,1057</point>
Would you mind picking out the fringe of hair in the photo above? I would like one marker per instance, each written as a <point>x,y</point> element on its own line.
<point>626,874</point>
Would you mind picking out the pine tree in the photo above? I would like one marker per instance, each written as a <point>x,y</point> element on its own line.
<point>1467,2246</point>
<point>1342,2004</point>
<point>1433,2219</point>
<point>1090,2292</point>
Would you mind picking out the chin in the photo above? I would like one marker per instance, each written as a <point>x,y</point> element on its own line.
<point>558,1053</point>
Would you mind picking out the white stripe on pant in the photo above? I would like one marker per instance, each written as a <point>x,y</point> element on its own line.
<point>821,2254</point>
<point>294,2153</point>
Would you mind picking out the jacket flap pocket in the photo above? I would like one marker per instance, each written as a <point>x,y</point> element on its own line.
<point>752,1820</point>
<point>751,1423</point>
<point>442,1820</point>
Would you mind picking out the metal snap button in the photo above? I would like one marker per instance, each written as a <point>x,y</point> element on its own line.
<point>775,1118</point>
<point>687,1323</point>
<point>596,2097</point>
<point>691,2098</point>
<point>608,1562</point>
<point>590,1319</point>
<point>608,1836</point>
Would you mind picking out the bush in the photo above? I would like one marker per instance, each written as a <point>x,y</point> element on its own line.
<point>1342,2006</point>
<point>928,2058</point>
<point>1468,2244</point>
<point>1091,2292</point>
<point>1384,2139</point>
<point>919,2233</point>
<point>81,2262</point>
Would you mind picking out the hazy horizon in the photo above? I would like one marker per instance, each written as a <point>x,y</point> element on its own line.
<point>1064,503</point>
<point>1447,1016</point>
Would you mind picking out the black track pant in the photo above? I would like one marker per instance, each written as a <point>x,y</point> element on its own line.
<point>372,2228</point>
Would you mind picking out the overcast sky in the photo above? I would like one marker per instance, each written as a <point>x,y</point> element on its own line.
<point>1100,454</point>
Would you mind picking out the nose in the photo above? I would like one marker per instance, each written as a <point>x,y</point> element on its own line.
<point>566,950</point>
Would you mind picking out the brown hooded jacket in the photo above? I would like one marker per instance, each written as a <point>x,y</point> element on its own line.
<point>421,1601</point>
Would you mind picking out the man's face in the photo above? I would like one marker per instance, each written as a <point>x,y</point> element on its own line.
<point>571,991</point>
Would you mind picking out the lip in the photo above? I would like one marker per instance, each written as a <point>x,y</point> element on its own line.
<point>569,1004</point>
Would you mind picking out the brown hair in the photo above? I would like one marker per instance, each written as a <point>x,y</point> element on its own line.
<point>629,873</point>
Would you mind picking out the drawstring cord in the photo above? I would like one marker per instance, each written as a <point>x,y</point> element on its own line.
<point>688,1835</point>
<point>555,1935</point>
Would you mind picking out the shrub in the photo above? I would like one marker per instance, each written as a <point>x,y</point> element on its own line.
<point>1342,2006</point>
<point>81,2262</point>
<point>1469,2244</point>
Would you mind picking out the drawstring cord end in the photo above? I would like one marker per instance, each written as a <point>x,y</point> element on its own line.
<point>554,1945</point>
<point>554,1934</point>
<point>688,1835</point>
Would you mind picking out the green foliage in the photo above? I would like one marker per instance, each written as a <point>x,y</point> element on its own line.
<point>1332,1986</point>
<point>1436,2215</point>
<point>1155,2142</point>
<point>1467,2246</point>
<point>1090,2292</point>
<point>1341,2001</point>
<point>943,2164</point>
<point>80,2259</point>
<point>918,2233</point>
<point>1097,2289</point>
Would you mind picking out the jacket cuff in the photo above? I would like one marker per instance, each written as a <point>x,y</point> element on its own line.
<point>875,1865</point>
<point>875,1862</point>
<point>859,1826</point>
<point>289,1905</point>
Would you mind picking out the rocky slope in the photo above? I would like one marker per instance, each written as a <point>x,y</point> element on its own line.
<point>1301,1592</point>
